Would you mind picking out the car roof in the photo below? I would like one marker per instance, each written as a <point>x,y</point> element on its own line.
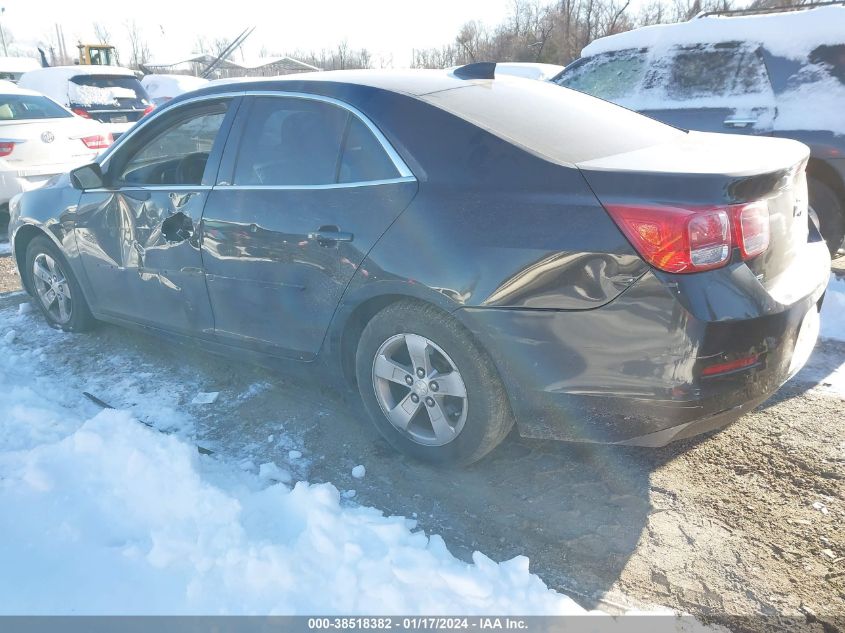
<point>8,88</point>
<point>410,82</point>
<point>68,72</point>
<point>13,64</point>
<point>791,35</point>
<point>560,125</point>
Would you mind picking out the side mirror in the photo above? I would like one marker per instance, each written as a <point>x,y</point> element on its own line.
<point>87,177</point>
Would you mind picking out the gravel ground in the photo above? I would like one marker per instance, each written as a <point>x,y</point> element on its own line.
<point>9,279</point>
<point>723,527</point>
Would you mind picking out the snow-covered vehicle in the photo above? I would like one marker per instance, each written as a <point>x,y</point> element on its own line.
<point>109,94</point>
<point>163,88</point>
<point>779,74</point>
<point>12,68</point>
<point>39,139</point>
<point>529,70</point>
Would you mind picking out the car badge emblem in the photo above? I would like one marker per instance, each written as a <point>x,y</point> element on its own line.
<point>47,137</point>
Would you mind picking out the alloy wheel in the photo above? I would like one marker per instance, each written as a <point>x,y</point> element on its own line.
<point>52,288</point>
<point>419,389</point>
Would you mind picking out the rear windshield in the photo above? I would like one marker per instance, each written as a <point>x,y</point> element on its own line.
<point>558,124</point>
<point>24,107</point>
<point>107,92</point>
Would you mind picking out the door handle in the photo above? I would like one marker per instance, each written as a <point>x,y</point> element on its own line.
<point>740,123</point>
<point>330,234</point>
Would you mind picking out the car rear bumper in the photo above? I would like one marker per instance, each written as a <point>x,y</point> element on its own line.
<point>630,372</point>
<point>11,183</point>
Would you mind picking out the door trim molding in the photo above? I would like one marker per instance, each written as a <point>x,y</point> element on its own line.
<point>336,185</point>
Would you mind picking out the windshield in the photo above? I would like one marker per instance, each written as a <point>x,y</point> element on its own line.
<point>608,75</point>
<point>102,56</point>
<point>107,92</point>
<point>23,107</point>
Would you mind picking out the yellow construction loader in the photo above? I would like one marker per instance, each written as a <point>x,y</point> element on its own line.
<point>97,54</point>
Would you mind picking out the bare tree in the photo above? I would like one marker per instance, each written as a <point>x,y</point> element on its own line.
<point>557,31</point>
<point>139,50</point>
<point>102,33</point>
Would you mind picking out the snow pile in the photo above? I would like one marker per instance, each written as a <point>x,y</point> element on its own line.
<point>103,515</point>
<point>826,367</point>
<point>790,35</point>
<point>833,310</point>
<point>164,87</point>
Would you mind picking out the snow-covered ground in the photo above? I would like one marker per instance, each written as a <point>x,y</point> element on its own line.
<point>116,511</point>
<point>833,311</point>
<point>826,368</point>
<point>103,515</point>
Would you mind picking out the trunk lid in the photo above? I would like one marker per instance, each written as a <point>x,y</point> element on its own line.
<point>703,170</point>
<point>48,146</point>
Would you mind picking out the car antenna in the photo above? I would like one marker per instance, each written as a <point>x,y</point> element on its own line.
<point>478,70</point>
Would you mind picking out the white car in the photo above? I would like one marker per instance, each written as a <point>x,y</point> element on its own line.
<point>12,68</point>
<point>39,139</point>
<point>162,88</point>
<point>529,70</point>
<point>109,94</point>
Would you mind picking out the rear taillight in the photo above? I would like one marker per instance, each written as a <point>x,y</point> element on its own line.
<point>751,228</point>
<point>688,240</point>
<point>148,109</point>
<point>709,239</point>
<point>81,112</point>
<point>6,148</point>
<point>98,141</point>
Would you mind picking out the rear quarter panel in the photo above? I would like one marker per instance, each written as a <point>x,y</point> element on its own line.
<point>493,225</point>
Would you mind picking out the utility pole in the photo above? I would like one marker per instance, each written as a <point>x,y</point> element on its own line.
<point>2,34</point>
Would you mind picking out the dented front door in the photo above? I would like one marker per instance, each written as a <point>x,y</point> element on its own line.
<point>140,249</point>
<point>139,236</point>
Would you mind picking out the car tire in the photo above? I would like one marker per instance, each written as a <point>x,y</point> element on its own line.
<point>479,421</point>
<point>60,297</point>
<point>830,211</point>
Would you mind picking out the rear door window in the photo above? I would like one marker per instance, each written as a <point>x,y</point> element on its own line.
<point>708,71</point>
<point>611,76</point>
<point>289,141</point>
<point>831,59</point>
<point>363,158</point>
<point>825,62</point>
